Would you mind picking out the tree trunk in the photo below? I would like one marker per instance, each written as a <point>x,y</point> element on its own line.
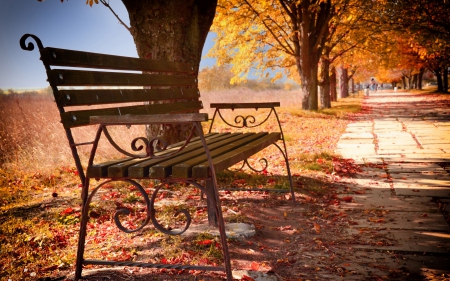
<point>170,30</point>
<point>440,83</point>
<point>333,78</point>
<point>343,82</point>
<point>420,81</point>
<point>445,79</point>
<point>414,82</point>
<point>404,82</point>
<point>325,101</point>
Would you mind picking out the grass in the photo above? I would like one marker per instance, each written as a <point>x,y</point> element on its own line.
<point>40,193</point>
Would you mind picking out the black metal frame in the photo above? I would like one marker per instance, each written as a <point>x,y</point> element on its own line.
<point>209,188</point>
<point>211,195</point>
<point>241,122</point>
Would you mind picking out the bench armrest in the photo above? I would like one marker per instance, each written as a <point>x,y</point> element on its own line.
<point>148,119</point>
<point>244,105</point>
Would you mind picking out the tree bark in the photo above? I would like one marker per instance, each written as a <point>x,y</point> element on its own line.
<point>333,78</point>
<point>325,100</point>
<point>343,82</point>
<point>170,30</point>
<point>445,79</point>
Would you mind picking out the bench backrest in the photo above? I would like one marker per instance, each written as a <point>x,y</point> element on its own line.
<point>116,85</point>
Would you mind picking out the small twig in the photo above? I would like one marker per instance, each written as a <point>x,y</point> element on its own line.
<point>120,21</point>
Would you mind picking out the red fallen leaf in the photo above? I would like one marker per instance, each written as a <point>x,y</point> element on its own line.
<point>334,202</point>
<point>247,278</point>
<point>67,211</point>
<point>254,266</point>
<point>205,242</point>
<point>425,215</point>
<point>360,191</point>
<point>347,198</point>
<point>320,161</point>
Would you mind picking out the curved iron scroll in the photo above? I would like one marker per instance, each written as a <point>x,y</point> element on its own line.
<point>243,121</point>
<point>149,146</point>
<point>150,203</point>
<point>124,211</point>
<point>30,46</point>
<point>246,163</point>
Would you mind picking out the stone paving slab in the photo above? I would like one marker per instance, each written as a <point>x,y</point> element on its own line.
<point>345,146</point>
<point>429,242</point>
<point>379,266</point>
<point>407,220</point>
<point>360,124</point>
<point>357,136</point>
<point>414,167</point>
<point>393,203</point>
<point>355,141</point>
<point>408,190</point>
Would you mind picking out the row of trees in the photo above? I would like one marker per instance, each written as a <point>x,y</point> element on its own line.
<point>394,40</point>
<point>307,39</point>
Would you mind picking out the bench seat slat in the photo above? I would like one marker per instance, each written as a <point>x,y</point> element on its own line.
<point>120,170</point>
<point>82,117</point>
<point>63,77</point>
<point>164,169</point>
<point>235,156</point>
<point>142,170</point>
<point>109,96</point>
<point>64,57</point>
<point>100,169</point>
<point>184,169</point>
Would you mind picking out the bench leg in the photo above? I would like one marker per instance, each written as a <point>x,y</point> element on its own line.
<point>82,233</point>
<point>212,216</point>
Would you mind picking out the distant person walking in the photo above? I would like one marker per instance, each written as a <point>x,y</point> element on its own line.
<point>373,84</point>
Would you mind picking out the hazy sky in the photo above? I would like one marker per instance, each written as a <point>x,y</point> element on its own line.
<point>69,25</point>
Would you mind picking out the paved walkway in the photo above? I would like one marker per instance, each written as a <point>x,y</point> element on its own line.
<point>408,136</point>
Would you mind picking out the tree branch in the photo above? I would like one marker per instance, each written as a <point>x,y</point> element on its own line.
<point>120,21</point>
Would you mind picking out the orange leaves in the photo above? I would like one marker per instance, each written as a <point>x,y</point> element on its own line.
<point>91,2</point>
<point>347,198</point>
<point>317,228</point>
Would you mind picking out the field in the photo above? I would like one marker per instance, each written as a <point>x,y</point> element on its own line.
<point>39,188</point>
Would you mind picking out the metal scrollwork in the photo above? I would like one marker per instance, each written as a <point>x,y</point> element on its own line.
<point>150,147</point>
<point>125,211</point>
<point>30,46</point>
<point>240,121</point>
<point>264,165</point>
<point>155,222</point>
<point>245,120</point>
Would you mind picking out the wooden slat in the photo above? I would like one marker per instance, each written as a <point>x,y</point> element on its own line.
<point>235,156</point>
<point>142,170</point>
<point>64,77</point>
<point>109,96</point>
<point>245,105</point>
<point>81,117</point>
<point>148,119</point>
<point>63,57</point>
<point>120,170</point>
<point>184,169</point>
<point>101,169</point>
<point>164,169</point>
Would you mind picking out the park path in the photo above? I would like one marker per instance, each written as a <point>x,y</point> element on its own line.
<point>402,142</point>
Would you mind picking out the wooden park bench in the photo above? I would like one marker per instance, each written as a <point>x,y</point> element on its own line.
<point>132,91</point>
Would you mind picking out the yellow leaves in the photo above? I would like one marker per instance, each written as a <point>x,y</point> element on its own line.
<point>91,2</point>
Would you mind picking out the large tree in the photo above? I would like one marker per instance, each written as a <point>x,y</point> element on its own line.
<point>172,30</point>
<point>286,34</point>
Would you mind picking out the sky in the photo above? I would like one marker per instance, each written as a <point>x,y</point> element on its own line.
<point>69,25</point>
